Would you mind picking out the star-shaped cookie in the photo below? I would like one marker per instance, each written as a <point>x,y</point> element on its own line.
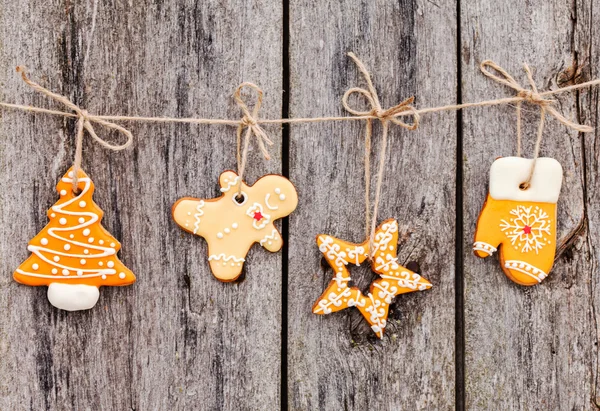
<point>231,224</point>
<point>395,279</point>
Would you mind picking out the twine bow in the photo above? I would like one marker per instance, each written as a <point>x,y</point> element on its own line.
<point>384,116</point>
<point>532,96</point>
<point>250,122</point>
<point>84,122</point>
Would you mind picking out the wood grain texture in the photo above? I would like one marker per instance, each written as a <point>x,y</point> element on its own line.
<point>531,348</point>
<point>335,361</point>
<point>177,339</point>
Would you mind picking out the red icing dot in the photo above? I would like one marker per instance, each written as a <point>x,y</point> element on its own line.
<point>527,229</point>
<point>258,216</point>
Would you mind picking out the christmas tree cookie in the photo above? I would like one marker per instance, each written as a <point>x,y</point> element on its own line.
<point>74,255</point>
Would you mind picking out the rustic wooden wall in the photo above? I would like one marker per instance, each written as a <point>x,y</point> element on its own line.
<point>180,340</point>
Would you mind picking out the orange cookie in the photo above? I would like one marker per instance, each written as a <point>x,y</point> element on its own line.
<point>395,279</point>
<point>231,225</point>
<point>74,255</point>
<point>521,223</point>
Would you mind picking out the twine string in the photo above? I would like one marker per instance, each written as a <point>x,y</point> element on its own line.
<point>385,117</point>
<point>532,96</point>
<point>249,121</point>
<point>84,122</point>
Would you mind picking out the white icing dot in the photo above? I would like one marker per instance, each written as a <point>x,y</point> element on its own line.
<point>282,197</point>
<point>269,242</point>
<point>67,247</point>
<point>86,232</point>
<point>234,225</point>
<point>113,245</point>
<point>70,174</point>
<point>110,264</point>
<point>65,272</point>
<point>72,236</point>
<point>81,220</point>
<point>104,276</point>
<point>44,241</point>
<point>224,263</point>
<point>239,264</point>
<point>35,266</point>
<point>219,235</point>
<point>82,261</point>
<point>62,221</point>
<point>100,263</point>
<point>86,251</point>
<point>189,213</point>
<point>54,271</point>
<point>277,190</point>
<point>56,258</point>
<point>79,272</point>
<point>232,264</point>
<point>101,242</point>
<point>82,204</point>
<point>63,192</point>
<point>52,215</point>
<point>91,240</point>
<point>121,275</point>
<point>227,231</point>
<point>187,225</point>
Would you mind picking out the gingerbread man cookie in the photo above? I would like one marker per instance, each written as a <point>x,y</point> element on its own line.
<point>231,225</point>
<point>395,279</point>
<point>74,255</point>
<point>519,221</point>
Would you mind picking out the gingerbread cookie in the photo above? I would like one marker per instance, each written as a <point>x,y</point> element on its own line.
<point>395,279</point>
<point>74,255</point>
<point>521,223</point>
<point>231,225</point>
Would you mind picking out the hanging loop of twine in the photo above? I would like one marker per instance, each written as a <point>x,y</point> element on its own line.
<point>385,116</point>
<point>531,96</point>
<point>249,122</point>
<point>84,122</point>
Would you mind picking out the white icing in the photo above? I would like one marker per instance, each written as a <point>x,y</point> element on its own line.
<point>277,190</point>
<point>227,230</point>
<point>86,232</point>
<point>507,173</point>
<point>73,297</point>
<point>219,235</point>
<point>62,221</point>
<point>485,247</point>
<point>81,220</point>
<point>121,275</point>
<point>35,266</point>
<point>44,241</point>
<point>67,247</point>
<point>197,216</point>
<point>82,204</point>
<point>535,219</point>
<point>282,197</point>
<point>234,225</point>
<point>526,268</point>
<point>272,236</point>
<point>230,183</point>
<point>82,261</point>
<point>63,192</point>
<point>269,206</point>
<point>225,258</point>
<point>258,224</point>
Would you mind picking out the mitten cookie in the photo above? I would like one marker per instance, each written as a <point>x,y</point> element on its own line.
<point>231,225</point>
<point>521,223</point>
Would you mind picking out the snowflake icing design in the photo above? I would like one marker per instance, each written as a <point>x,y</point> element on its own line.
<point>527,229</point>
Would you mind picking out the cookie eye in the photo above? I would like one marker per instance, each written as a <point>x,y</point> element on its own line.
<point>239,199</point>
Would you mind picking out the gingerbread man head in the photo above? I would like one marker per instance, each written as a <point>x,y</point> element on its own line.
<point>232,223</point>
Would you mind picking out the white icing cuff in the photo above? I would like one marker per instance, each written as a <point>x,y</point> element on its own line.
<point>526,268</point>
<point>73,297</point>
<point>485,247</point>
<point>507,174</point>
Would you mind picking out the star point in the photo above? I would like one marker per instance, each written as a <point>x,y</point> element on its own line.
<point>394,279</point>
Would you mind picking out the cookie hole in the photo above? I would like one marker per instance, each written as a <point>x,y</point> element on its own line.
<point>76,192</point>
<point>524,186</point>
<point>240,199</point>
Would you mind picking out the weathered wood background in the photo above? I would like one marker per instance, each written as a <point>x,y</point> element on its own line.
<point>180,340</point>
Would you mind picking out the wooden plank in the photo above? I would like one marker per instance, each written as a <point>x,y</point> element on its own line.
<point>527,348</point>
<point>335,361</point>
<point>177,339</point>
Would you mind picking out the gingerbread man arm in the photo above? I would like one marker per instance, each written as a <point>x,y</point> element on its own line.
<point>271,240</point>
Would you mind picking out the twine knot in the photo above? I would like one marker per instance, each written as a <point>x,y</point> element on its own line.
<point>532,95</point>
<point>384,115</point>
<point>84,122</point>
<point>249,119</point>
